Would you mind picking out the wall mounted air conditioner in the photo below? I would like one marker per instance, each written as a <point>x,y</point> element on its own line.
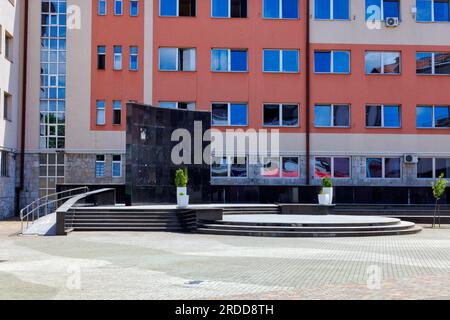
<point>392,22</point>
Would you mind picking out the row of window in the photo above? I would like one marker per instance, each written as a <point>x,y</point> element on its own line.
<point>288,61</point>
<point>118,7</point>
<point>116,166</point>
<point>118,58</point>
<point>328,167</point>
<point>427,10</point>
<point>101,112</point>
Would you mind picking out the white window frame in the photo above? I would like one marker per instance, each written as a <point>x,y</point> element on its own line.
<point>280,167</point>
<point>228,158</point>
<point>332,105</point>
<point>229,60</point>
<point>97,109</point>
<point>383,165</point>
<point>229,114</point>
<point>433,162</point>
<point>280,112</point>
<point>106,7</point>
<point>104,166</point>
<point>332,166</point>
<point>280,10</point>
<point>138,11</point>
<point>134,55</point>
<point>280,57</point>
<point>113,162</point>
<point>382,62</point>
<point>382,115</point>
<point>332,12</point>
<point>228,13</point>
<point>433,64</point>
<point>433,120</point>
<point>177,62</point>
<point>177,9</point>
<point>118,55</point>
<point>115,7</point>
<point>332,62</point>
<point>432,14</point>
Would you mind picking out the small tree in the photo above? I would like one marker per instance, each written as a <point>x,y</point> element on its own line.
<point>326,183</point>
<point>181,178</point>
<point>438,191</point>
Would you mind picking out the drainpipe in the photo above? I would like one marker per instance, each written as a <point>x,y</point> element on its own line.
<point>20,188</point>
<point>308,92</point>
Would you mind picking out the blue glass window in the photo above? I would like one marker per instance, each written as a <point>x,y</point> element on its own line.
<point>441,10</point>
<point>281,61</point>
<point>134,8</point>
<point>229,114</point>
<point>238,114</point>
<point>220,8</point>
<point>168,59</point>
<point>391,116</point>
<point>168,8</point>
<point>117,57</point>
<point>134,54</point>
<point>101,119</point>
<point>118,7</point>
<point>374,168</point>
<point>391,8</point>
<point>117,166</point>
<point>100,166</point>
<point>383,116</point>
<point>280,115</point>
<point>322,116</point>
<point>331,9</point>
<point>281,9</point>
<point>424,12</point>
<point>102,7</point>
<point>229,60</point>
<point>332,62</point>
<point>424,117</point>
<point>442,117</point>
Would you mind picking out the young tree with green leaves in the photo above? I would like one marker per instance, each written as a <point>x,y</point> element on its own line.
<point>438,191</point>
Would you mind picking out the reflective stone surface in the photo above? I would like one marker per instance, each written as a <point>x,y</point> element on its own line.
<point>150,171</point>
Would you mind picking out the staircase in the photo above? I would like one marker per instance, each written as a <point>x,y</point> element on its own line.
<point>416,213</point>
<point>251,209</point>
<point>126,219</point>
<point>317,229</point>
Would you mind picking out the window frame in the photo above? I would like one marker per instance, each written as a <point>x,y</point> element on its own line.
<point>229,104</point>
<point>113,162</point>
<point>101,13</point>
<point>433,18</point>
<point>4,164</point>
<point>382,116</point>
<point>134,55</point>
<point>121,7</point>
<point>332,167</point>
<point>280,113</point>
<point>100,109</point>
<point>177,62</point>
<point>280,61</point>
<point>332,105</point>
<point>433,63</point>
<point>116,55</point>
<point>280,8</point>
<point>383,167</point>
<point>229,63</point>
<point>177,11</point>
<point>280,167</point>
<point>332,12</point>
<point>100,162</point>
<point>382,63</point>
<point>332,61</point>
<point>229,165</point>
<point>433,117</point>
<point>229,11</point>
<point>137,8</point>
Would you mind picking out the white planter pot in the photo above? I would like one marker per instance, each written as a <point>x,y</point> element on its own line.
<point>183,201</point>
<point>329,192</point>
<point>324,199</point>
<point>181,191</point>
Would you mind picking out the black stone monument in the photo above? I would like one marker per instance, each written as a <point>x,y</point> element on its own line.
<point>150,171</point>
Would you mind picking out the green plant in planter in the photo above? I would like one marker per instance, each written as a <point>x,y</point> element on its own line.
<point>326,183</point>
<point>181,178</point>
<point>438,191</point>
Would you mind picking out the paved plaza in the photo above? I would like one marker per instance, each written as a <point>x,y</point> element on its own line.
<point>189,266</point>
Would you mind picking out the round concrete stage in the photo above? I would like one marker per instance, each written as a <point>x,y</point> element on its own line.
<point>275,225</point>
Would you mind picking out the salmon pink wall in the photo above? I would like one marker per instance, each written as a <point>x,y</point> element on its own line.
<point>253,33</point>
<point>109,85</point>
<point>358,89</point>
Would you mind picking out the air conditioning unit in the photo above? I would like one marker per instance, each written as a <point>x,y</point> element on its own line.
<point>411,158</point>
<point>392,22</point>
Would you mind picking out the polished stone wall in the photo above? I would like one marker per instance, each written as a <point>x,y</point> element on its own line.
<point>150,171</point>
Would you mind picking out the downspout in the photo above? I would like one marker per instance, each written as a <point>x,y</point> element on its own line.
<point>24,108</point>
<point>307,100</point>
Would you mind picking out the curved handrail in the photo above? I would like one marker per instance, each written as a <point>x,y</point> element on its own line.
<point>33,210</point>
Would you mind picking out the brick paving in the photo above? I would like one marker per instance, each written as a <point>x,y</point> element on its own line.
<point>188,266</point>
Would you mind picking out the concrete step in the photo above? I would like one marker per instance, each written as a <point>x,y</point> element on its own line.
<point>315,224</point>
<point>128,228</point>
<point>217,226</point>
<point>309,234</point>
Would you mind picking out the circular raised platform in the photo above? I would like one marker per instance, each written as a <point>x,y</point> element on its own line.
<point>272,225</point>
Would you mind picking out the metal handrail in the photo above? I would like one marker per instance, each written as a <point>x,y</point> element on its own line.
<point>33,212</point>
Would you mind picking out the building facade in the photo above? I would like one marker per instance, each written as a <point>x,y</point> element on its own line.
<point>356,89</point>
<point>10,99</point>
